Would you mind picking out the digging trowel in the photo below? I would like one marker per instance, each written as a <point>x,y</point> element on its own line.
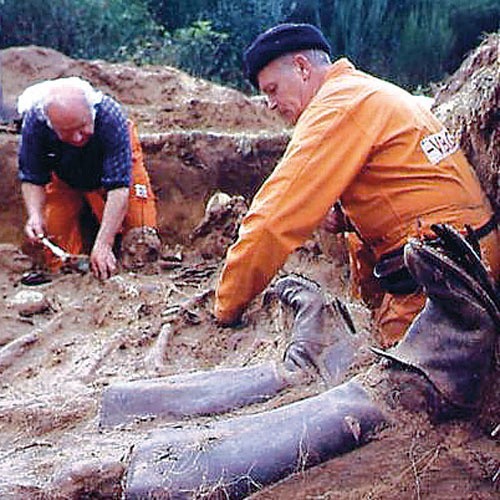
<point>78,263</point>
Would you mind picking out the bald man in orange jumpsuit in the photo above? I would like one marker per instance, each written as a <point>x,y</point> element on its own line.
<point>79,148</point>
<point>360,141</point>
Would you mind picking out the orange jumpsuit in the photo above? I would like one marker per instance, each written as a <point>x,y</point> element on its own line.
<point>64,204</point>
<point>390,162</point>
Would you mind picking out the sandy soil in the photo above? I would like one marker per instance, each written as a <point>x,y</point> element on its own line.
<point>63,342</point>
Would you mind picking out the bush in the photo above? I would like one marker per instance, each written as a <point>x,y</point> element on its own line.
<point>87,28</point>
<point>409,41</point>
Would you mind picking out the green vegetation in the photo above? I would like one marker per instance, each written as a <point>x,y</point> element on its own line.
<point>83,28</point>
<point>411,42</point>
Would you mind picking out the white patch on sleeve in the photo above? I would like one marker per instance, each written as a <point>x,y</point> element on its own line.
<point>438,146</point>
<point>141,191</point>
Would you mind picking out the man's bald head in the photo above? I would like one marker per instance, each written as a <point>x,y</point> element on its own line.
<point>69,113</point>
<point>67,105</point>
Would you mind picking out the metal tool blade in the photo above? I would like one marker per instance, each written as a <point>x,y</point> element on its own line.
<point>56,250</point>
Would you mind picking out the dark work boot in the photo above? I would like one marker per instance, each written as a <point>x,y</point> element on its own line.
<point>452,341</point>
<point>308,336</point>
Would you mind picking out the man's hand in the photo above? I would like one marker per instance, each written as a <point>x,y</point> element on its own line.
<point>336,221</point>
<point>35,228</point>
<point>233,322</point>
<point>34,199</point>
<point>102,261</point>
<point>222,318</point>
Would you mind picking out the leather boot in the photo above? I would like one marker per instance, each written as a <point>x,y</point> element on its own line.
<point>452,341</point>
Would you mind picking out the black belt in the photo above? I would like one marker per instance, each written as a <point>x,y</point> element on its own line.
<point>478,233</point>
<point>490,226</point>
<point>394,277</point>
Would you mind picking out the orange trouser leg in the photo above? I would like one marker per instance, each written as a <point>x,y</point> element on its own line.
<point>141,204</point>
<point>364,285</point>
<point>490,253</point>
<point>395,315</point>
<point>62,210</point>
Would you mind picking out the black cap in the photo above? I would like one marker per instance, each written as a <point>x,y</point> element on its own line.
<point>280,40</point>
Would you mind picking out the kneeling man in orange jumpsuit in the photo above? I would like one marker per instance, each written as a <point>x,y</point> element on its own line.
<point>364,143</point>
<point>77,146</point>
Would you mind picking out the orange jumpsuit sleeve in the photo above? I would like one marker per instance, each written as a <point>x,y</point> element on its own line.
<point>326,152</point>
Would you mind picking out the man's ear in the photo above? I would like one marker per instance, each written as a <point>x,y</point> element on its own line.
<point>302,65</point>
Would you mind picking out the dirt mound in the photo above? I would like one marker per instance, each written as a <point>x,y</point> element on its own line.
<point>159,98</point>
<point>197,137</point>
<point>468,104</point>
